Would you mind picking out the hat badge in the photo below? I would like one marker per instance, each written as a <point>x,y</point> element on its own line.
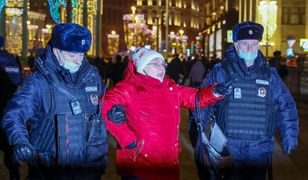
<point>83,42</point>
<point>250,32</point>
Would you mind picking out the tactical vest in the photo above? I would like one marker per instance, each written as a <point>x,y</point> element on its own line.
<point>248,113</point>
<point>73,132</point>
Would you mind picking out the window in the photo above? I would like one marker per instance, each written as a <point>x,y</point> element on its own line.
<point>293,15</point>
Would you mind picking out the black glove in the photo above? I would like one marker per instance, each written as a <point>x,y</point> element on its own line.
<point>117,114</point>
<point>288,149</point>
<point>24,152</point>
<point>224,88</point>
<point>131,145</point>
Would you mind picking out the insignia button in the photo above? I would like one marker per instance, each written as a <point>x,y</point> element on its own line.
<point>83,42</point>
<point>261,92</point>
<point>250,32</point>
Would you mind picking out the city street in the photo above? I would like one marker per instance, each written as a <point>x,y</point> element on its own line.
<point>284,167</point>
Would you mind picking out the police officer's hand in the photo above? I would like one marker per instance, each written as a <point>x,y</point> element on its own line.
<point>224,88</point>
<point>24,152</point>
<point>288,149</point>
<point>117,114</point>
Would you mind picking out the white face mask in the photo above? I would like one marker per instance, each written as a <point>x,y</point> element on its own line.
<point>69,65</point>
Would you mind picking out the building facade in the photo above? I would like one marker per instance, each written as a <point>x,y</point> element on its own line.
<point>220,17</point>
<point>113,21</point>
<point>178,22</point>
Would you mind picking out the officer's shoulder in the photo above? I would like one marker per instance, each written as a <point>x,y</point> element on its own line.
<point>35,77</point>
<point>274,71</point>
<point>93,69</point>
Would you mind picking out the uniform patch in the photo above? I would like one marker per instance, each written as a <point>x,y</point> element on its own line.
<point>263,82</point>
<point>262,92</point>
<point>11,69</point>
<point>91,89</point>
<point>94,99</point>
<point>237,93</point>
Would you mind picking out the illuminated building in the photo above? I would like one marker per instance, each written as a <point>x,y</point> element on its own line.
<point>136,31</point>
<point>112,20</point>
<point>14,30</point>
<point>280,19</point>
<point>220,17</point>
<point>84,12</point>
<point>179,15</point>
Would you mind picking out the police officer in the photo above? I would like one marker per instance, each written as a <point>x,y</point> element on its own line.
<point>53,121</point>
<point>10,77</point>
<point>259,104</point>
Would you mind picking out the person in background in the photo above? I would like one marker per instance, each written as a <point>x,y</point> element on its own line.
<point>142,112</point>
<point>53,120</point>
<point>10,77</point>
<point>175,70</point>
<point>259,104</point>
<point>197,73</point>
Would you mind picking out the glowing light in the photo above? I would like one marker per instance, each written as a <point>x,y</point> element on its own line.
<point>2,4</point>
<point>268,17</point>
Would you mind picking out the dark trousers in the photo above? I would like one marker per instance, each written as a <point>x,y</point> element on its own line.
<point>242,170</point>
<point>247,170</point>
<point>130,178</point>
<point>12,166</point>
<point>63,173</point>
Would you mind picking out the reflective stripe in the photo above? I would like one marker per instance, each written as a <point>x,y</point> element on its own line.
<point>247,118</point>
<point>246,112</point>
<point>246,105</point>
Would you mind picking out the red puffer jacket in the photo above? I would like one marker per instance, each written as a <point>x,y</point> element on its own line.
<point>153,118</point>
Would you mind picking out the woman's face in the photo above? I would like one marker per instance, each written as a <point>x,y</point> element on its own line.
<point>156,68</point>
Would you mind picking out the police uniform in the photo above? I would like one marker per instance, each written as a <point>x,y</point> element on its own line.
<point>259,105</point>
<point>10,77</point>
<point>61,112</point>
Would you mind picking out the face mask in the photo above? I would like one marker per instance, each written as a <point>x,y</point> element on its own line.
<point>249,57</point>
<point>72,67</point>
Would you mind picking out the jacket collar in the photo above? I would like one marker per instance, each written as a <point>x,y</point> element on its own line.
<point>51,63</point>
<point>232,57</point>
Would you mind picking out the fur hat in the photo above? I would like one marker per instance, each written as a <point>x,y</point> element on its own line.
<point>247,30</point>
<point>1,41</point>
<point>71,37</point>
<point>142,56</point>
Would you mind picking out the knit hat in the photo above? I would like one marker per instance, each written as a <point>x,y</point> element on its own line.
<point>247,30</point>
<point>71,37</point>
<point>142,56</point>
<point>1,41</point>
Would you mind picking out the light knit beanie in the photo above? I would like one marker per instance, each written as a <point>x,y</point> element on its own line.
<point>142,56</point>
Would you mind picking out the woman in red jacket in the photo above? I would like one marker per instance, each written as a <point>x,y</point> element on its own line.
<point>148,132</point>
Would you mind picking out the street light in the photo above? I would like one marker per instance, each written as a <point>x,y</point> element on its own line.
<point>268,18</point>
<point>177,40</point>
<point>137,33</point>
<point>113,42</point>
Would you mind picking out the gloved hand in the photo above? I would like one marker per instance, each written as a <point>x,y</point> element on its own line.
<point>131,145</point>
<point>24,152</point>
<point>224,88</point>
<point>117,114</point>
<point>288,149</point>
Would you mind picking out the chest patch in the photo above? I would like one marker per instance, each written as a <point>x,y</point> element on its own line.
<point>94,99</point>
<point>263,82</point>
<point>11,69</point>
<point>91,89</point>
<point>262,92</point>
<point>237,93</point>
